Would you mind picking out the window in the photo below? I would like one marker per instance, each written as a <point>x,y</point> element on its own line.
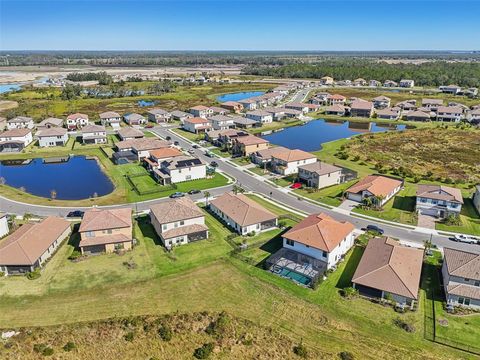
<point>290,242</point>
<point>466,302</point>
<point>476,283</point>
<point>164,227</point>
<point>90,234</point>
<point>324,254</point>
<point>182,222</point>
<point>461,300</point>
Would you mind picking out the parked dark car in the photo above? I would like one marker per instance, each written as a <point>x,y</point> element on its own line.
<point>194,191</point>
<point>195,146</point>
<point>375,228</point>
<point>176,143</point>
<point>177,195</point>
<point>168,138</point>
<point>213,164</point>
<point>75,214</point>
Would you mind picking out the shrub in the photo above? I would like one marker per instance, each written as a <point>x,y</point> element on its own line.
<point>251,233</point>
<point>404,325</point>
<point>2,274</point>
<point>35,274</point>
<point>165,332</point>
<point>43,349</point>
<point>75,255</point>
<point>345,355</point>
<point>300,350</point>
<point>218,326</point>
<point>129,336</point>
<point>69,346</point>
<point>452,220</point>
<point>349,292</point>
<point>204,351</point>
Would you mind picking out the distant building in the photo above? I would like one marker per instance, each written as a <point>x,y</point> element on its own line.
<point>449,113</point>
<point>50,123</point>
<point>288,162</point>
<point>129,133</point>
<point>110,118</point>
<point>76,121</point>
<point>20,122</point>
<point>336,99</point>
<point>381,102</point>
<point>407,83</point>
<point>134,119</point>
<point>201,111</point>
<point>361,108</point>
<point>197,125</point>
<point>451,89</point>
<point>260,116</point>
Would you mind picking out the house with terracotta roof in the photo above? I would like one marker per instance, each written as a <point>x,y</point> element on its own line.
<point>233,106</point>
<point>243,214</point>
<point>319,174</point>
<point>438,200</point>
<point>94,134</point>
<point>378,188</point>
<point>55,136</point>
<point>157,156</point>
<point>247,145</point>
<point>134,119</point>
<point>110,118</point>
<point>77,121</point>
<point>361,108</point>
<point>287,162</point>
<point>461,278</point>
<point>106,230</point>
<point>20,122</point>
<point>201,111</point>
<point>137,149</point>
<point>158,115</point>
<point>249,104</point>
<point>197,125</point>
<point>389,269</point>
<point>31,245</point>
<point>178,222</point>
<point>129,133</point>
<point>336,99</point>
<point>407,105</point>
<point>15,140</point>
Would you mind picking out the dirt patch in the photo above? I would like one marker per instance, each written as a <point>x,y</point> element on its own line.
<point>7,105</point>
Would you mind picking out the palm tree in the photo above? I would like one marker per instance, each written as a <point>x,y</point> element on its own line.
<point>207,195</point>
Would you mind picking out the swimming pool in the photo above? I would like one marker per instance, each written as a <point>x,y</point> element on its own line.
<point>302,279</point>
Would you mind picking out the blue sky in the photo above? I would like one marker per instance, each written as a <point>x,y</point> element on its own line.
<point>239,25</point>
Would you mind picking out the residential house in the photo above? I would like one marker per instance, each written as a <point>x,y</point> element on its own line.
<point>278,113</point>
<point>388,114</point>
<point>106,230</point>
<point>134,119</point>
<point>178,222</point>
<point>50,123</point>
<point>243,214</point>
<point>244,123</point>
<point>3,123</point>
<point>221,122</point>
<point>3,225</point>
<point>110,118</point>
<point>94,134</point>
<point>52,137</point>
<point>319,174</point>
<point>15,140</point>
<point>31,245</point>
<point>378,188</point>
<point>381,102</point>
<point>326,80</point>
<point>20,122</point>
<point>461,278</point>
<point>407,105</point>
<point>303,108</point>
<point>432,104</point>
<point>246,145</point>
<point>197,125</point>
<point>438,200</point>
<point>292,113</point>
<point>159,155</point>
<point>390,83</point>
<point>263,157</point>
<point>201,111</point>
<point>181,115</point>
<point>449,113</point>
<point>336,99</point>
<point>336,109</point>
<point>476,198</point>
<point>406,83</point>
<point>248,104</point>
<point>361,108</point>
<point>219,110</point>
<point>179,169</point>
<point>233,106</point>
<point>418,116</point>
<point>359,82</point>
<point>374,83</point>
<point>389,270</point>
<point>137,149</point>
<point>129,133</point>
<point>76,121</point>
<point>319,98</point>
<point>287,162</point>
<point>451,89</point>
<point>158,115</point>
<point>260,116</point>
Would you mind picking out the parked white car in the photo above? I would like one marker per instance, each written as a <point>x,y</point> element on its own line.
<point>467,239</point>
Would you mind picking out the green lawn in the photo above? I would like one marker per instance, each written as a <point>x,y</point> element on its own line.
<point>285,181</point>
<point>469,217</point>
<point>400,209</point>
<point>188,135</point>
<point>259,171</point>
<point>332,195</point>
<point>242,161</point>
<point>220,153</point>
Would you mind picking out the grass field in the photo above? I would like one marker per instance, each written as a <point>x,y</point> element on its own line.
<point>331,195</point>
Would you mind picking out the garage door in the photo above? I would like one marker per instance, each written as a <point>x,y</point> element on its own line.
<point>368,291</point>
<point>354,197</point>
<point>94,249</point>
<point>430,212</point>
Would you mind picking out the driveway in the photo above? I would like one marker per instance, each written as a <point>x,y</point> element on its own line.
<point>426,221</point>
<point>347,205</point>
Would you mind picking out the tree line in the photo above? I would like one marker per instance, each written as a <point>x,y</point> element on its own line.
<point>102,77</point>
<point>434,73</point>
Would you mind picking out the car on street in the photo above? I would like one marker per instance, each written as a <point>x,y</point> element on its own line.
<point>194,191</point>
<point>75,214</point>
<point>375,228</point>
<point>176,143</point>
<point>213,164</point>
<point>208,154</point>
<point>195,146</point>
<point>296,185</point>
<point>168,138</point>
<point>177,195</point>
<point>466,239</point>
<point>191,151</point>
<point>148,126</point>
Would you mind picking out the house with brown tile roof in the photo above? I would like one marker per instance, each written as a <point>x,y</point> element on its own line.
<point>197,125</point>
<point>94,134</point>
<point>319,175</point>
<point>140,148</point>
<point>321,237</point>
<point>265,156</point>
<point>418,115</point>
<point>233,106</point>
<point>361,108</point>
<point>386,267</point>
<point>336,109</point>
<point>438,200</point>
<point>449,113</point>
<point>287,162</point>
<point>201,111</point>
<point>49,123</point>
<point>111,118</point>
<point>374,187</point>
<point>246,145</point>
<point>54,136</point>
<point>30,246</point>
<point>20,122</point>
<point>106,230</point>
<point>158,115</point>
<point>134,119</point>
<point>388,114</point>
<point>77,121</point>
<point>243,214</point>
<point>461,278</point>
<point>432,104</point>
<point>381,102</point>
<point>336,99</point>
<point>178,221</point>
<point>129,133</point>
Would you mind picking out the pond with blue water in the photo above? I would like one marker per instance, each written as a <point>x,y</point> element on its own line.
<point>74,178</point>
<point>239,96</point>
<point>310,136</point>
